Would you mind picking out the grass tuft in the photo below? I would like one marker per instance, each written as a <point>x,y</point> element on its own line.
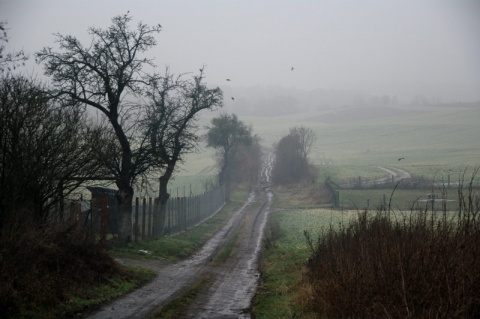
<point>421,264</point>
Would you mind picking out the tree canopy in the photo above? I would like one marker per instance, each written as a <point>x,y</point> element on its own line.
<point>227,133</point>
<point>42,146</point>
<point>291,156</point>
<point>174,103</point>
<point>148,118</point>
<point>9,60</point>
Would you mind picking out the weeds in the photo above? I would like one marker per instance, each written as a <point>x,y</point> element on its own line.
<point>424,264</point>
<point>54,271</point>
<point>272,234</point>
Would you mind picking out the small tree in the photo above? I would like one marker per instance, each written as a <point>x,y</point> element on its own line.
<point>171,123</point>
<point>291,156</point>
<point>104,75</point>
<point>248,162</point>
<point>227,133</point>
<point>306,138</point>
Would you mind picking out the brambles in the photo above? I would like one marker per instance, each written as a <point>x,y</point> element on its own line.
<point>389,265</point>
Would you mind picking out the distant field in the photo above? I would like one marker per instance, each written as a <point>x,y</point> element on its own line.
<point>433,144</point>
<point>352,142</point>
<point>400,199</point>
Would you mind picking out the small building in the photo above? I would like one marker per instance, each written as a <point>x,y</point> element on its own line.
<point>112,205</point>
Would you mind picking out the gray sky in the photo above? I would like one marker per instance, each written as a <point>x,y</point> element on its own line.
<point>394,47</point>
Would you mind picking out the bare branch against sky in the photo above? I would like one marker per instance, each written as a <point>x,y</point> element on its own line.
<point>397,47</point>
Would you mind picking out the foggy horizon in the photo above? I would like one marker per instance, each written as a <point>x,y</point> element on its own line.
<point>392,48</point>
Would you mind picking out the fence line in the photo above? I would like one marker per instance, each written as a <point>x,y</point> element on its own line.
<point>181,213</point>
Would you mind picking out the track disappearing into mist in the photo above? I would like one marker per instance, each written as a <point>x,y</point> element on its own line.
<point>233,282</point>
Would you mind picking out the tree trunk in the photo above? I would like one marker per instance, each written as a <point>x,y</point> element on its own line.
<point>162,198</point>
<point>125,200</point>
<point>125,190</point>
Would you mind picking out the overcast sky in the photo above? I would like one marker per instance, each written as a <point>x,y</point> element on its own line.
<point>394,47</point>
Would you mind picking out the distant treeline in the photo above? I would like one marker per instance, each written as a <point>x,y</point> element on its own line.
<point>265,101</point>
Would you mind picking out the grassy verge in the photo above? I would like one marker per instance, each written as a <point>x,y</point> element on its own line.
<point>174,248</point>
<point>283,261</point>
<point>90,298</point>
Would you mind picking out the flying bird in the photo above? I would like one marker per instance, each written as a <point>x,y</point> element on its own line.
<point>228,79</point>
<point>401,158</point>
<point>292,68</point>
<point>233,98</point>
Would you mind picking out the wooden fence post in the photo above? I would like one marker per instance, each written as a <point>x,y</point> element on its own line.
<point>150,212</point>
<point>136,220</point>
<point>104,219</point>
<point>144,207</point>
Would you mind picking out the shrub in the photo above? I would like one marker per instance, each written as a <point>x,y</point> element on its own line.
<point>421,264</point>
<point>43,267</point>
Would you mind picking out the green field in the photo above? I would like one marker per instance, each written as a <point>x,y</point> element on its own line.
<point>282,265</point>
<point>435,142</point>
<point>400,199</point>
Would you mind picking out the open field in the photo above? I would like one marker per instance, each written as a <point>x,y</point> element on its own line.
<point>435,142</point>
<point>400,199</point>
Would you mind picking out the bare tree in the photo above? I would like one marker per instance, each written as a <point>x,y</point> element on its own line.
<point>291,160</point>
<point>104,75</point>
<point>42,146</point>
<point>306,138</point>
<point>9,60</point>
<point>171,123</point>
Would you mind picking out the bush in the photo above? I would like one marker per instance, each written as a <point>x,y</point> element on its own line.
<point>424,264</point>
<point>42,268</point>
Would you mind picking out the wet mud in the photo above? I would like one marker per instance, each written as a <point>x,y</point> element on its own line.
<point>233,282</point>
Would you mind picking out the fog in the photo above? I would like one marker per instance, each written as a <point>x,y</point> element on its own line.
<point>397,48</point>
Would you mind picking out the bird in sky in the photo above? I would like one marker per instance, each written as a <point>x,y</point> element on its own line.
<point>233,98</point>
<point>401,158</point>
<point>292,68</point>
<point>228,79</point>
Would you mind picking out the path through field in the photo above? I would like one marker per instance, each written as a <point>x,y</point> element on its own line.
<point>233,282</point>
<point>393,175</point>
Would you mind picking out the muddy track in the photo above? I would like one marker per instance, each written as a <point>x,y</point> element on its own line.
<point>233,282</point>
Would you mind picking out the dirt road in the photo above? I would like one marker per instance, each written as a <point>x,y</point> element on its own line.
<point>234,281</point>
<point>393,175</point>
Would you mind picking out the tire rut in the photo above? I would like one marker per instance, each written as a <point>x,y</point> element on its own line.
<point>172,279</point>
<point>236,280</point>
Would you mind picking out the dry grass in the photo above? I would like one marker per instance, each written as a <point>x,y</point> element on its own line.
<point>41,269</point>
<point>302,195</point>
<point>425,264</point>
